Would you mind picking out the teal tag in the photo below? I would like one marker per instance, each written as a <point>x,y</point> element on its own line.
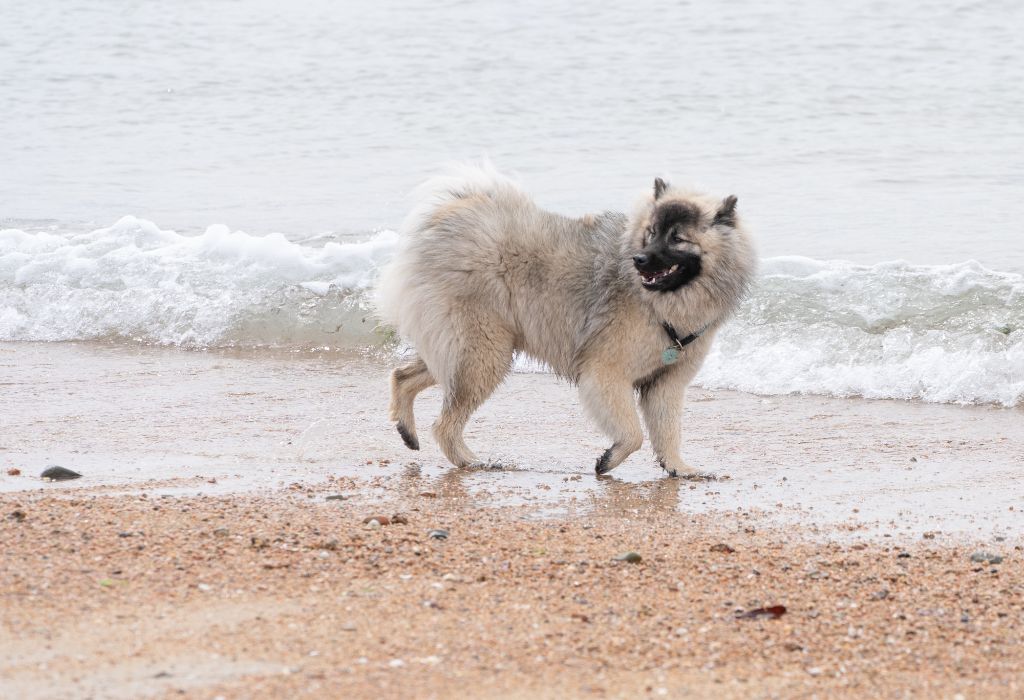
<point>669,355</point>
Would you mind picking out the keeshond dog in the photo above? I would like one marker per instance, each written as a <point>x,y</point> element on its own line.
<point>624,307</point>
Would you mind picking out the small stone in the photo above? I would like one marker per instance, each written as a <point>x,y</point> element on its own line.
<point>56,473</point>
<point>399,519</point>
<point>17,516</point>
<point>903,555</point>
<point>722,547</point>
<point>337,497</point>
<point>428,494</point>
<point>126,534</point>
<point>381,520</point>
<point>880,595</point>
<point>438,534</point>
<point>13,471</point>
<point>630,557</point>
<point>221,532</point>
<point>986,558</point>
<point>373,524</point>
<point>814,671</point>
<point>204,586</point>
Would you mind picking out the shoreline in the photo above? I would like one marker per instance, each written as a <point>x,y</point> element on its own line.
<point>235,422</point>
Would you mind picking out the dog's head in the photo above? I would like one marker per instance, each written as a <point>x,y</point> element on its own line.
<point>675,233</point>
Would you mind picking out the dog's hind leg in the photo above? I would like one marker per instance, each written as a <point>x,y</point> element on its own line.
<point>474,375</point>
<point>406,382</point>
<point>609,401</point>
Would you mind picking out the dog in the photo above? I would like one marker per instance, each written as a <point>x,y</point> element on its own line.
<point>624,307</point>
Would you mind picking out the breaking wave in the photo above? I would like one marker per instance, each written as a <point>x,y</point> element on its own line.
<point>951,333</point>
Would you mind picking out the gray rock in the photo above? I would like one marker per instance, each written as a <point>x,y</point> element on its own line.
<point>59,473</point>
<point>631,557</point>
<point>986,558</point>
<point>438,534</point>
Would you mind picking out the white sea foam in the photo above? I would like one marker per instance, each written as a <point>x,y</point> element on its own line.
<point>952,333</point>
<point>221,288</point>
<point>949,333</point>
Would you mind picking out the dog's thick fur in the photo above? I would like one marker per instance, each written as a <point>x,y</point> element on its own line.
<point>482,272</point>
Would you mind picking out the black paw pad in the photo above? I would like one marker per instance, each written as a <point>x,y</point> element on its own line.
<point>602,464</point>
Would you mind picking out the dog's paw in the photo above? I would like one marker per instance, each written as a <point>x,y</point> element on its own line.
<point>687,473</point>
<point>603,462</point>
<point>696,476</point>
<point>494,465</point>
<point>410,440</point>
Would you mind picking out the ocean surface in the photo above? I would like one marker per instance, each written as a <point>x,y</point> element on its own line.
<point>232,174</point>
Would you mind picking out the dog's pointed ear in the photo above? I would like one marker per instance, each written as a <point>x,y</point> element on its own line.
<point>659,188</point>
<point>726,214</point>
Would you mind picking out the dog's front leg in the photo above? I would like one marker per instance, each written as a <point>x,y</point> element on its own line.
<point>662,404</point>
<point>609,402</point>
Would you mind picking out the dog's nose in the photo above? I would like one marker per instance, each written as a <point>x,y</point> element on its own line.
<point>640,259</point>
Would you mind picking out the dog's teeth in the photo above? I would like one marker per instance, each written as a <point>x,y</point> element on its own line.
<point>673,268</point>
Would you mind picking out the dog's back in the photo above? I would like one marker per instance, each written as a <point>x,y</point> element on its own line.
<point>478,256</point>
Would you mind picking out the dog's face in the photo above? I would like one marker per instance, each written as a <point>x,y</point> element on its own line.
<point>677,235</point>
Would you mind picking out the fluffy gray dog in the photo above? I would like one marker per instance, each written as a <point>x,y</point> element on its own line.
<point>621,306</point>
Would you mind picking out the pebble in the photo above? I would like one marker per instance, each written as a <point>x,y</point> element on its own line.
<point>631,557</point>
<point>221,532</point>
<point>428,494</point>
<point>986,558</point>
<point>381,520</point>
<point>373,524</point>
<point>722,547</point>
<point>438,534</point>
<point>17,516</point>
<point>56,473</point>
<point>399,519</point>
<point>13,471</point>
<point>336,497</point>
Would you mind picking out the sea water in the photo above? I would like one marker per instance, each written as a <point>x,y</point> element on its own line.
<point>233,174</point>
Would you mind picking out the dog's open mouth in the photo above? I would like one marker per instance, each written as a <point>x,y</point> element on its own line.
<point>682,271</point>
<point>651,279</point>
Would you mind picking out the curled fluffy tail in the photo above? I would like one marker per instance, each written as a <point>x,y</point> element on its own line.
<point>391,294</point>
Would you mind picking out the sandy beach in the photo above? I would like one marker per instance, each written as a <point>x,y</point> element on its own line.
<point>216,544</point>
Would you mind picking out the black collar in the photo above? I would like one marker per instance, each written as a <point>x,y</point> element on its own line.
<point>682,342</point>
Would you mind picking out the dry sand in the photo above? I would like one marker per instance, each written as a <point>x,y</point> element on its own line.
<point>291,594</point>
<point>200,555</point>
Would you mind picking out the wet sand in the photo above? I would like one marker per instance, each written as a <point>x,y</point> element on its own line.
<point>200,552</point>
